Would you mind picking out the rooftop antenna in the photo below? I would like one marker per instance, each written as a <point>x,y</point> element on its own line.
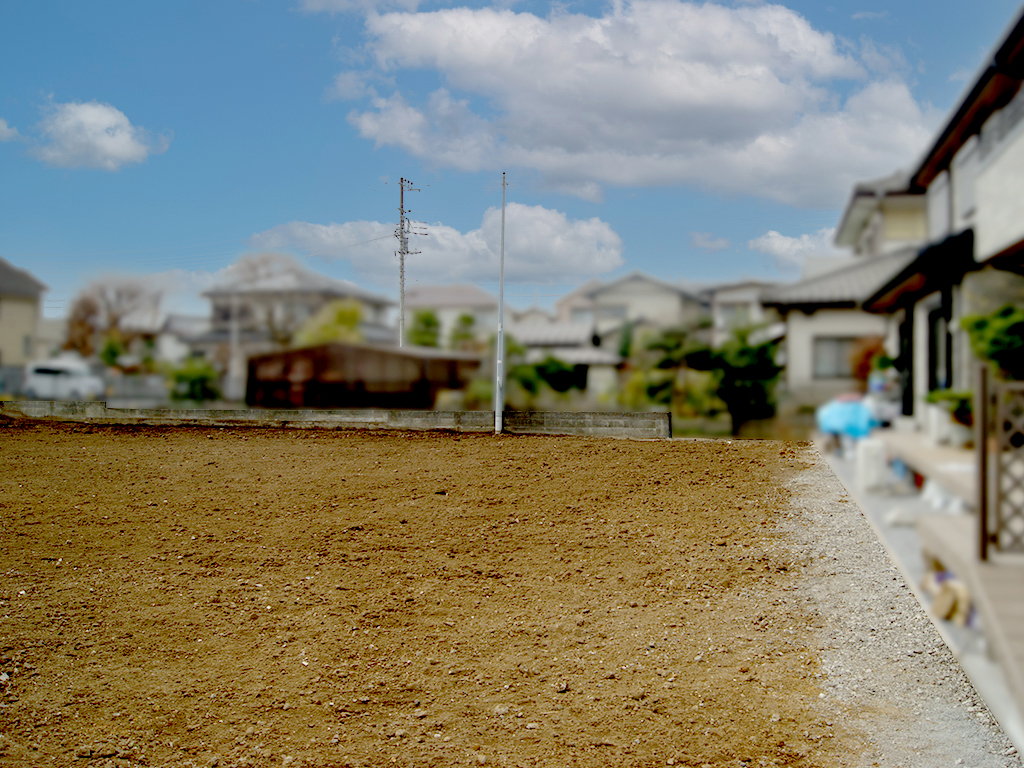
<point>405,229</point>
<point>499,347</point>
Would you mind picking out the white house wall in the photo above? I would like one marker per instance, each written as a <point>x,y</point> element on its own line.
<point>964,173</point>
<point>903,222</point>
<point>938,208</point>
<point>724,308</point>
<point>641,300</point>
<point>602,380</point>
<point>999,197</point>
<point>18,320</point>
<point>801,330</point>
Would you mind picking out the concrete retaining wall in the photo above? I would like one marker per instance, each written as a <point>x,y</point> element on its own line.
<point>638,425</point>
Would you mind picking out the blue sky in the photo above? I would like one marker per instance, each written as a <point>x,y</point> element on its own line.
<point>166,139</point>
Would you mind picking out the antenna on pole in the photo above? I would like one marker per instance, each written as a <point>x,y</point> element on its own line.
<point>499,347</point>
<point>402,233</point>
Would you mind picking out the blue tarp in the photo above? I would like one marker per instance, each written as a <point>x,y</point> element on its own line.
<point>846,417</point>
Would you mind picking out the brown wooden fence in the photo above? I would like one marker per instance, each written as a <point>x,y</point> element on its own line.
<point>999,425</point>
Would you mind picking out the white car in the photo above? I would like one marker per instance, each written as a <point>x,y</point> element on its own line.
<point>61,380</point>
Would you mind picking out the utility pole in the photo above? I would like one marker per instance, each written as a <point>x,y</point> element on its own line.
<point>499,347</point>
<point>402,233</point>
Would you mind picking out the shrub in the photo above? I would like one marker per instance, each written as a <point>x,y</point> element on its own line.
<point>195,380</point>
<point>336,321</point>
<point>998,338</point>
<point>463,335</point>
<point>425,328</point>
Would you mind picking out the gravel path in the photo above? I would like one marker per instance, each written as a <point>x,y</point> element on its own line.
<point>882,660</point>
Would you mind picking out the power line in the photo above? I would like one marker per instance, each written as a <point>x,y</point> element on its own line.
<point>176,260</point>
<point>353,245</point>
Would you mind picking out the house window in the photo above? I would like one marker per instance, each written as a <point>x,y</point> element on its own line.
<point>735,315</point>
<point>831,357</point>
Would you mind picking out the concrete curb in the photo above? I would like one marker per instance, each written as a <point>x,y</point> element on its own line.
<point>635,425</point>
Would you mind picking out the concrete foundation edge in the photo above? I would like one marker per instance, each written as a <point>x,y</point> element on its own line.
<point>634,425</point>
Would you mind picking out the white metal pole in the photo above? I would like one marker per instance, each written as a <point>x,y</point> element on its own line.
<point>233,355</point>
<point>499,348</point>
<point>402,248</point>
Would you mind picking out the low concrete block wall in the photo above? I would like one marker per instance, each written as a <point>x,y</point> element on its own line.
<point>637,425</point>
<point>642,425</point>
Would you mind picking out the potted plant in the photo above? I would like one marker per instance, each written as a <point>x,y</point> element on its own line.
<point>957,405</point>
<point>998,338</point>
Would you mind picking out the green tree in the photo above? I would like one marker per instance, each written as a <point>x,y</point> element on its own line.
<point>337,321</point>
<point>560,376</point>
<point>425,328</point>
<point>463,335</point>
<point>670,352</point>
<point>112,349</point>
<point>747,374</point>
<point>626,339</point>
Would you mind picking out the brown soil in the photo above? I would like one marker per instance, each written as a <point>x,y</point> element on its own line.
<point>177,596</point>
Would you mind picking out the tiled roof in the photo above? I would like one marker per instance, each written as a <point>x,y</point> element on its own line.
<point>448,296</point>
<point>638,276</point>
<point>846,286</point>
<point>564,334</point>
<point>298,281</point>
<point>18,282</point>
<point>186,325</point>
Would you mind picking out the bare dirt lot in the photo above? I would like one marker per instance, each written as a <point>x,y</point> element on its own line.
<point>176,596</point>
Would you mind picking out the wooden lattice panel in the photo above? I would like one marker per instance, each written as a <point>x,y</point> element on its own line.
<point>1009,466</point>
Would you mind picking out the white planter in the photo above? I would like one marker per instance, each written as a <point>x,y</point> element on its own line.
<point>938,424</point>
<point>960,435</point>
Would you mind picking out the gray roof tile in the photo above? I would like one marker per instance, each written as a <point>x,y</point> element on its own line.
<point>18,282</point>
<point>849,285</point>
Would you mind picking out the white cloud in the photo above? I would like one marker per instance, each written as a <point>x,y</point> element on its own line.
<point>8,132</point>
<point>705,241</point>
<point>794,251</point>
<point>961,75</point>
<point>741,100</point>
<point>541,245</point>
<point>349,85</point>
<point>94,135</point>
<point>882,59</point>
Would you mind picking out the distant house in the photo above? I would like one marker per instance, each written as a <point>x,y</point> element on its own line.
<point>884,225</point>
<point>577,304</point>
<point>51,334</point>
<point>254,312</point>
<point>532,314</point>
<point>737,305</point>
<point>972,180</point>
<point>824,323</point>
<point>574,343</point>
<point>20,313</point>
<point>451,302</point>
<point>632,298</point>
<point>174,341</point>
<point>882,216</point>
